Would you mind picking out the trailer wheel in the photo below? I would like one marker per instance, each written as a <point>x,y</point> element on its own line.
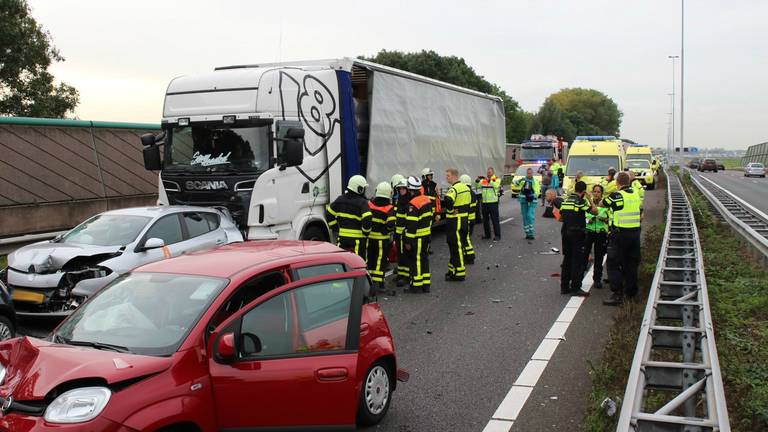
<point>315,233</point>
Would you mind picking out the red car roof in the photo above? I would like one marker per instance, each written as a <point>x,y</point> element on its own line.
<point>233,258</point>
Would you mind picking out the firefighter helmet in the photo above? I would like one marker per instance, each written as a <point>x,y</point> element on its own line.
<point>357,184</point>
<point>384,190</point>
<point>414,183</point>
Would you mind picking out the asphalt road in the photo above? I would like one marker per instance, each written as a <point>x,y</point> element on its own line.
<point>753,190</point>
<point>465,343</point>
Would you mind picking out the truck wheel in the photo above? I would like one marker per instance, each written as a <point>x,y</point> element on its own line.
<point>375,394</point>
<point>314,233</point>
<point>7,330</point>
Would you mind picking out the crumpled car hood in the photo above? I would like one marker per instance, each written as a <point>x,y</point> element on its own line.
<point>35,367</point>
<point>48,257</point>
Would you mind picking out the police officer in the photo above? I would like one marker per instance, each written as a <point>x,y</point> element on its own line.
<point>489,187</point>
<point>597,236</point>
<point>457,201</point>
<point>623,241</point>
<point>573,210</point>
<point>382,227</point>
<point>469,249</point>
<point>418,229</point>
<point>401,212</point>
<point>350,218</point>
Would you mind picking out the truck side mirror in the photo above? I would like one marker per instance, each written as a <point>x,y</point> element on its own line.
<point>295,133</point>
<point>152,160</point>
<point>294,152</point>
<point>148,139</point>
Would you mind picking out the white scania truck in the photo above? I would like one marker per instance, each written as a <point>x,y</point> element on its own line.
<point>275,143</point>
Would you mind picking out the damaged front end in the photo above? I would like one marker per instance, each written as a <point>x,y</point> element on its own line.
<point>45,288</point>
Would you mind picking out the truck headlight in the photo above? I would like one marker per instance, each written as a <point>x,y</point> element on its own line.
<point>78,405</point>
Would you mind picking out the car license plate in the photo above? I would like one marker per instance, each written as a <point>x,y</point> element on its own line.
<point>28,296</point>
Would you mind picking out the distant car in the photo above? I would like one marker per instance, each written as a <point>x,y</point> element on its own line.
<point>7,312</point>
<point>694,163</point>
<point>754,169</point>
<point>52,278</point>
<point>708,165</point>
<point>268,335</point>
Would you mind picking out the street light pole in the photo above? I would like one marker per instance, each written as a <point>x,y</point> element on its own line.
<point>682,73</point>
<point>673,57</point>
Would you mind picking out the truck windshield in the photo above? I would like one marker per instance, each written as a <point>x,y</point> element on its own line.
<point>638,163</point>
<point>640,156</point>
<point>591,165</point>
<point>536,154</point>
<point>218,148</point>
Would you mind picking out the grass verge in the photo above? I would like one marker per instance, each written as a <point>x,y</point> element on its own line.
<point>3,261</point>
<point>738,294</point>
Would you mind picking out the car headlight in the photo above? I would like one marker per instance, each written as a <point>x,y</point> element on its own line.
<point>78,405</point>
<point>2,374</point>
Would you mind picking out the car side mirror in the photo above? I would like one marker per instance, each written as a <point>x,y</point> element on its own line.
<point>225,349</point>
<point>153,243</point>
<point>251,343</point>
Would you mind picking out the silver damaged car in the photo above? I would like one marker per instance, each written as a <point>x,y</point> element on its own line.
<point>52,278</point>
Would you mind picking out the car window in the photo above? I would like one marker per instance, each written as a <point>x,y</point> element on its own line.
<point>200,223</point>
<point>319,270</point>
<point>319,323</point>
<point>107,230</point>
<point>167,229</point>
<point>245,294</point>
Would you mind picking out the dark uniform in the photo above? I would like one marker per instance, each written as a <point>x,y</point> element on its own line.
<point>429,188</point>
<point>469,249</point>
<point>457,201</point>
<point>418,229</point>
<point>403,263</point>
<point>383,225</point>
<point>573,211</point>
<point>623,243</point>
<point>350,218</point>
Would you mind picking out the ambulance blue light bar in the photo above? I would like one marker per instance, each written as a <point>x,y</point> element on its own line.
<point>595,138</point>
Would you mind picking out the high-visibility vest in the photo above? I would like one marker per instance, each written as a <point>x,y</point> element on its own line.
<point>629,215</point>
<point>458,199</point>
<point>383,221</point>
<point>489,189</point>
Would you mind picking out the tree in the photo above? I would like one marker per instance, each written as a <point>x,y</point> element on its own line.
<point>455,70</point>
<point>26,52</point>
<point>591,112</point>
<point>551,120</point>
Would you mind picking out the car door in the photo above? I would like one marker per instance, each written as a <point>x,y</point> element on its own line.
<point>305,373</point>
<point>202,231</point>
<point>167,228</point>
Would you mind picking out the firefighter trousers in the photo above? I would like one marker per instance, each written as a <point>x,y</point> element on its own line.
<point>454,235</point>
<point>356,245</point>
<point>419,261</point>
<point>403,258</point>
<point>469,249</point>
<point>377,259</point>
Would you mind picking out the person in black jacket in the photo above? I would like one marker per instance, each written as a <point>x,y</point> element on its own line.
<point>350,218</point>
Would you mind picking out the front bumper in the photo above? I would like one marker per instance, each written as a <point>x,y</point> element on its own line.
<point>24,423</point>
<point>38,295</point>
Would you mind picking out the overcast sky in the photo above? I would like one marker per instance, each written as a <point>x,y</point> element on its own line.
<point>121,55</point>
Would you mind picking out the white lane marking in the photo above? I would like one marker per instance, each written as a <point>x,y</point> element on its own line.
<point>498,426</point>
<point>506,220</point>
<point>509,408</point>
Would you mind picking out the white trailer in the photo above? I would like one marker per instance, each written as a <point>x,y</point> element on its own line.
<point>274,143</point>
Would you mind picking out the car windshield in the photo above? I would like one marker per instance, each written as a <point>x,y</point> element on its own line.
<point>107,230</point>
<point>640,156</point>
<point>219,148</point>
<point>522,169</point>
<point>147,313</point>
<point>591,165</point>
<point>757,165</point>
<point>636,163</point>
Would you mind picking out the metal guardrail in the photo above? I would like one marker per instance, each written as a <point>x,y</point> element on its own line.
<point>675,383</point>
<point>748,221</point>
<point>10,244</point>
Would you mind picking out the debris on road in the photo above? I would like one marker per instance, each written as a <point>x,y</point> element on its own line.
<point>429,331</point>
<point>555,275</point>
<point>496,300</point>
<point>553,397</point>
<point>609,406</point>
<point>469,313</point>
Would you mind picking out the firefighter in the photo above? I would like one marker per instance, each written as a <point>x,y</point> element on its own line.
<point>394,182</point>
<point>430,189</point>
<point>382,227</point>
<point>401,212</point>
<point>418,229</point>
<point>623,241</point>
<point>469,249</point>
<point>350,218</point>
<point>457,201</point>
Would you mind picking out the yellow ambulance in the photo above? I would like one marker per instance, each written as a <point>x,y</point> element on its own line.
<point>593,156</point>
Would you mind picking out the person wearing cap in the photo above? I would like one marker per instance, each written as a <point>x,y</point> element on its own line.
<point>469,249</point>
<point>418,229</point>
<point>573,211</point>
<point>431,189</point>
<point>489,187</point>
<point>457,201</point>
<point>349,217</point>
<point>401,212</point>
<point>382,226</point>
